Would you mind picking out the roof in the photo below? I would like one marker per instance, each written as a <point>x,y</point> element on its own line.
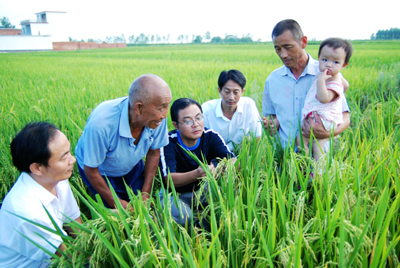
<point>51,12</point>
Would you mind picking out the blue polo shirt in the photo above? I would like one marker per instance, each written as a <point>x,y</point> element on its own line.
<point>284,96</point>
<point>107,142</point>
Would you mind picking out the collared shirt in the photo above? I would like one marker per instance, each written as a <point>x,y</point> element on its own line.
<point>284,96</point>
<point>175,159</point>
<point>107,142</point>
<point>27,198</point>
<point>246,119</point>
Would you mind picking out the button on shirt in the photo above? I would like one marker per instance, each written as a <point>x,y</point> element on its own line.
<point>245,119</point>
<point>27,198</point>
<point>107,142</point>
<point>284,96</point>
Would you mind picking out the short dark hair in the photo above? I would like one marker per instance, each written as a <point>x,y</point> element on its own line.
<point>336,43</point>
<point>233,75</point>
<point>181,104</point>
<point>30,145</point>
<point>290,25</point>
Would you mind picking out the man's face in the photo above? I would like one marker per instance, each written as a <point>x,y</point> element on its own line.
<point>230,94</point>
<point>288,49</point>
<point>154,112</point>
<point>188,131</point>
<point>61,162</point>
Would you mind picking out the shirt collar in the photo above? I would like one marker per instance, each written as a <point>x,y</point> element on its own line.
<point>124,128</point>
<point>43,195</point>
<point>187,147</point>
<point>310,68</point>
<point>218,109</point>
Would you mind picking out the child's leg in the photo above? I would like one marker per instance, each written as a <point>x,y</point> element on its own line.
<point>317,152</point>
<point>306,142</point>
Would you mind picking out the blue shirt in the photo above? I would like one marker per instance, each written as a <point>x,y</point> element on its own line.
<point>107,142</point>
<point>284,96</point>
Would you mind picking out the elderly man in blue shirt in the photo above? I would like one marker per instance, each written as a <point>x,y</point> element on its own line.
<point>118,134</point>
<point>286,88</point>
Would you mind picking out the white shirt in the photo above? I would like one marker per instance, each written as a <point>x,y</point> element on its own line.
<point>245,119</point>
<point>27,198</point>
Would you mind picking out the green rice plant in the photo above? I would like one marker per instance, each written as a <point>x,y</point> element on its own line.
<point>265,211</point>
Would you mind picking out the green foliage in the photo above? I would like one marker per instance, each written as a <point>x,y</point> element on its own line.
<point>197,39</point>
<point>393,33</point>
<point>5,23</point>
<point>268,213</point>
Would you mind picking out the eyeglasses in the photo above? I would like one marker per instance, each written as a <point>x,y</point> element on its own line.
<point>190,123</point>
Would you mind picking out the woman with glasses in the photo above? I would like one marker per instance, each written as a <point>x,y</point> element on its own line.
<point>189,135</point>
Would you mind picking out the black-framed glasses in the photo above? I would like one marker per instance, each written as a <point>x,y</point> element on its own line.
<point>189,123</point>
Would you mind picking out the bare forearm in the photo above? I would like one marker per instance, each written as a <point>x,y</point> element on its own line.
<point>70,230</point>
<point>150,169</point>
<point>98,183</point>
<point>323,94</point>
<point>185,178</point>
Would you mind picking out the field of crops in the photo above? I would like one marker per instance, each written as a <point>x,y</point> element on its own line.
<point>266,213</point>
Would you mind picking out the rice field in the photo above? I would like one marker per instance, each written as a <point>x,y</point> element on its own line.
<point>265,214</point>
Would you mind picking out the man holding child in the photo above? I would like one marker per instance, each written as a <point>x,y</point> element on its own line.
<point>286,88</point>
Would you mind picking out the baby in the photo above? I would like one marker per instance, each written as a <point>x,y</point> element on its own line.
<point>325,95</point>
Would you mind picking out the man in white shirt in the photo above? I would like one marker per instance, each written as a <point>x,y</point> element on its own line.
<point>41,153</point>
<point>232,116</point>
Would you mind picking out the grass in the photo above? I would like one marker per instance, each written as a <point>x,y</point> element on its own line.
<point>265,214</point>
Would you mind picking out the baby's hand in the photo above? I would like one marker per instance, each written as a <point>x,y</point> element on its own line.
<point>324,75</point>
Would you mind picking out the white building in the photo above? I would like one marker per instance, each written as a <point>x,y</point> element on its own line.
<point>47,23</point>
<point>38,34</point>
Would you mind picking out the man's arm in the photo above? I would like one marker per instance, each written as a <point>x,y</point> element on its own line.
<point>98,183</point>
<point>62,247</point>
<point>150,169</point>
<point>183,178</point>
<point>318,128</point>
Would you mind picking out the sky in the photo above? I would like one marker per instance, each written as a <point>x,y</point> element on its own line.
<point>349,19</point>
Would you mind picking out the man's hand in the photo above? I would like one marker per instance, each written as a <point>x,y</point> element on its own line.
<point>124,203</point>
<point>269,124</point>
<point>201,171</point>
<point>145,197</point>
<point>319,130</point>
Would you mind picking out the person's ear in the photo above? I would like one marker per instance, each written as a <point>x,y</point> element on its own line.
<point>344,65</point>
<point>138,108</point>
<point>36,169</point>
<point>304,42</point>
<point>219,90</point>
<point>243,90</point>
<point>175,125</point>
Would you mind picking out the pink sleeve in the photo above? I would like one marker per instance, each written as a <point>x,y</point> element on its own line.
<point>336,87</point>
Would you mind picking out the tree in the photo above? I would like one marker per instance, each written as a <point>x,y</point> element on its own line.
<point>393,33</point>
<point>207,36</point>
<point>180,38</point>
<point>5,23</point>
<point>131,39</point>
<point>216,39</point>
<point>198,39</point>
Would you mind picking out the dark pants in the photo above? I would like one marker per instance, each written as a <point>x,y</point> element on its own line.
<point>134,179</point>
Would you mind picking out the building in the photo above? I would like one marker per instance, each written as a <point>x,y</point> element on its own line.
<point>45,33</point>
<point>47,23</point>
<point>37,34</point>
